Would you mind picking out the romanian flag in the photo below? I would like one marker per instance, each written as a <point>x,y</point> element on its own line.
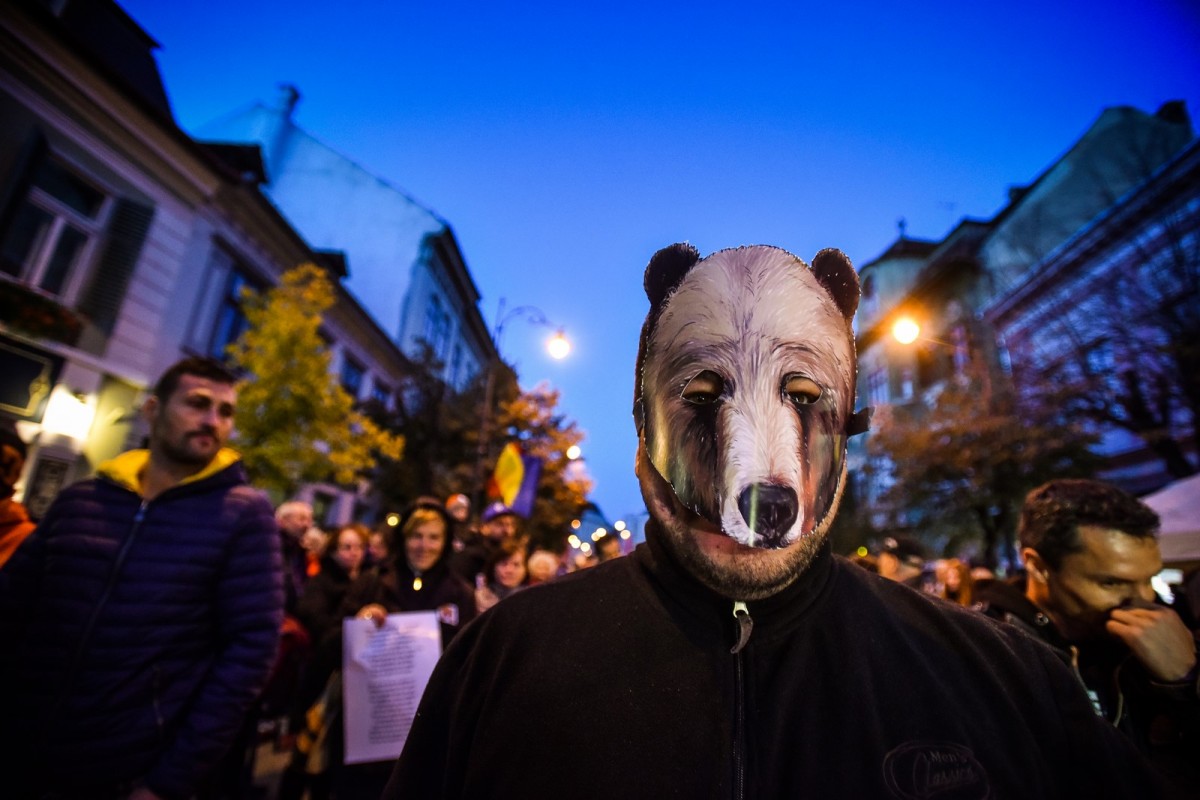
<point>515,480</point>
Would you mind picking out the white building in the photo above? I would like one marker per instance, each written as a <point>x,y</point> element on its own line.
<point>123,243</point>
<point>406,267</point>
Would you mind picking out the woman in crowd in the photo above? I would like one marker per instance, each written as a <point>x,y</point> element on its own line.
<point>415,577</point>
<point>342,559</point>
<point>504,573</point>
<point>379,546</point>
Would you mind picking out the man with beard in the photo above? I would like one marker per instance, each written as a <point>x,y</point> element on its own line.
<point>1090,551</point>
<point>732,655</point>
<point>140,619</point>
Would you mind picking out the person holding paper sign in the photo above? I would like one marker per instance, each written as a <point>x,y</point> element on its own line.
<point>416,577</point>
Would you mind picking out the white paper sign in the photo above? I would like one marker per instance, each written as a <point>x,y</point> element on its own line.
<point>384,672</point>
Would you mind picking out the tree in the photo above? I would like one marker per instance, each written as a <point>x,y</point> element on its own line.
<point>295,423</point>
<point>1121,347</point>
<point>961,468</point>
<point>533,421</point>
<point>441,427</point>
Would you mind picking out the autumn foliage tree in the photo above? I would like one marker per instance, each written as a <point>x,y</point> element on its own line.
<point>961,468</point>
<point>442,425</point>
<point>295,423</point>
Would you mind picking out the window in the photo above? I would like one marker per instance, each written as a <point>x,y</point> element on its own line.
<point>906,383</point>
<point>381,393</point>
<point>231,321</point>
<point>437,325</point>
<point>877,389</point>
<point>54,230</point>
<point>454,372</point>
<point>352,376</point>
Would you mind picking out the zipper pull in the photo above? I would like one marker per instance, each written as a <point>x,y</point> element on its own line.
<point>745,625</point>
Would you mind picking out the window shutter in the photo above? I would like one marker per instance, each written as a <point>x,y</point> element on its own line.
<point>126,233</point>
<point>16,182</point>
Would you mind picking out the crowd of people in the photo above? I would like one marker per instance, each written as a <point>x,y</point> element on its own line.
<point>437,557</point>
<point>164,600</point>
<point>162,615</point>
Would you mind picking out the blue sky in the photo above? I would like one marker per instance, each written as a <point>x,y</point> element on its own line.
<point>565,145</point>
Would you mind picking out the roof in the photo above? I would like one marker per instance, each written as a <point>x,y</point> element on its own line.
<point>904,247</point>
<point>117,46</point>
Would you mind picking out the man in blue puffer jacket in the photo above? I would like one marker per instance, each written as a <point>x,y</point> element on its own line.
<point>140,620</point>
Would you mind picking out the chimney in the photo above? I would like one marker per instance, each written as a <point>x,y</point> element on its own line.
<point>286,99</point>
<point>1174,111</point>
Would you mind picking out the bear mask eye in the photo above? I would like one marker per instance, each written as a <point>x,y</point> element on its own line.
<point>704,389</point>
<point>801,391</point>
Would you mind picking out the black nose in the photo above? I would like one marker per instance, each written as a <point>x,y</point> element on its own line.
<point>769,510</point>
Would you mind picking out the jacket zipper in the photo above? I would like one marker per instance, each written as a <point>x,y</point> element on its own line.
<point>84,639</point>
<point>745,626</point>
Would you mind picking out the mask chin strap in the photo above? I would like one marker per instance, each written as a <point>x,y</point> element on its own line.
<point>859,422</point>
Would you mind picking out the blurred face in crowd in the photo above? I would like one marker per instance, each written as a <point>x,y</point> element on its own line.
<point>295,518</point>
<point>541,566</point>
<point>378,547</point>
<point>190,427</point>
<point>459,507</point>
<point>608,547</point>
<point>1113,569</point>
<point>350,550</point>
<point>424,544</point>
<point>313,540</point>
<point>500,528</point>
<point>511,571</point>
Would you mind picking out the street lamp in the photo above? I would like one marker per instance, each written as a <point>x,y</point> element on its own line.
<point>558,346</point>
<point>906,330</point>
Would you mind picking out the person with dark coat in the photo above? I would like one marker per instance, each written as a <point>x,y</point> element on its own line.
<point>320,607</point>
<point>1090,551</point>
<point>140,619</point>
<point>416,577</point>
<point>732,655</point>
<point>497,524</point>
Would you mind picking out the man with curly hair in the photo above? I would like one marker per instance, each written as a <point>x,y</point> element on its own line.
<point>1090,551</point>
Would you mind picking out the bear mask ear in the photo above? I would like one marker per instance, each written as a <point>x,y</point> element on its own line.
<point>835,272</point>
<point>666,270</point>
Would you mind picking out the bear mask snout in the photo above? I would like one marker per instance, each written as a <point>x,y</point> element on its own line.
<point>769,510</point>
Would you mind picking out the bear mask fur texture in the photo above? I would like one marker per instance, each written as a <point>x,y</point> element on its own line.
<point>745,386</point>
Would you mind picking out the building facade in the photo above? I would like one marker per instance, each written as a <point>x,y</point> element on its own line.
<point>948,288</point>
<point>408,271</point>
<point>124,244</point>
<point>1113,315</point>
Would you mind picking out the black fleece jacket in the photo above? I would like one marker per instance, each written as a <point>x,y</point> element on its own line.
<point>849,686</point>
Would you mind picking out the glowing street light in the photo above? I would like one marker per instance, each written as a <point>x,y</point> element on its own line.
<point>573,452</point>
<point>558,346</point>
<point>905,330</point>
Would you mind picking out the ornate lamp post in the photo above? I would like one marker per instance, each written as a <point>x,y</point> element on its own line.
<point>558,347</point>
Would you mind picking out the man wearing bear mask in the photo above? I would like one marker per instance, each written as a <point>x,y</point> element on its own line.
<point>732,655</point>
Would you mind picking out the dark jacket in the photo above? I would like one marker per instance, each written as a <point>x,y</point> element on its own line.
<point>1162,720</point>
<point>320,607</point>
<point>137,634</point>
<point>393,586</point>
<point>848,686</point>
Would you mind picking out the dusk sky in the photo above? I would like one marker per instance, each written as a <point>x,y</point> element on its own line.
<point>566,145</point>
